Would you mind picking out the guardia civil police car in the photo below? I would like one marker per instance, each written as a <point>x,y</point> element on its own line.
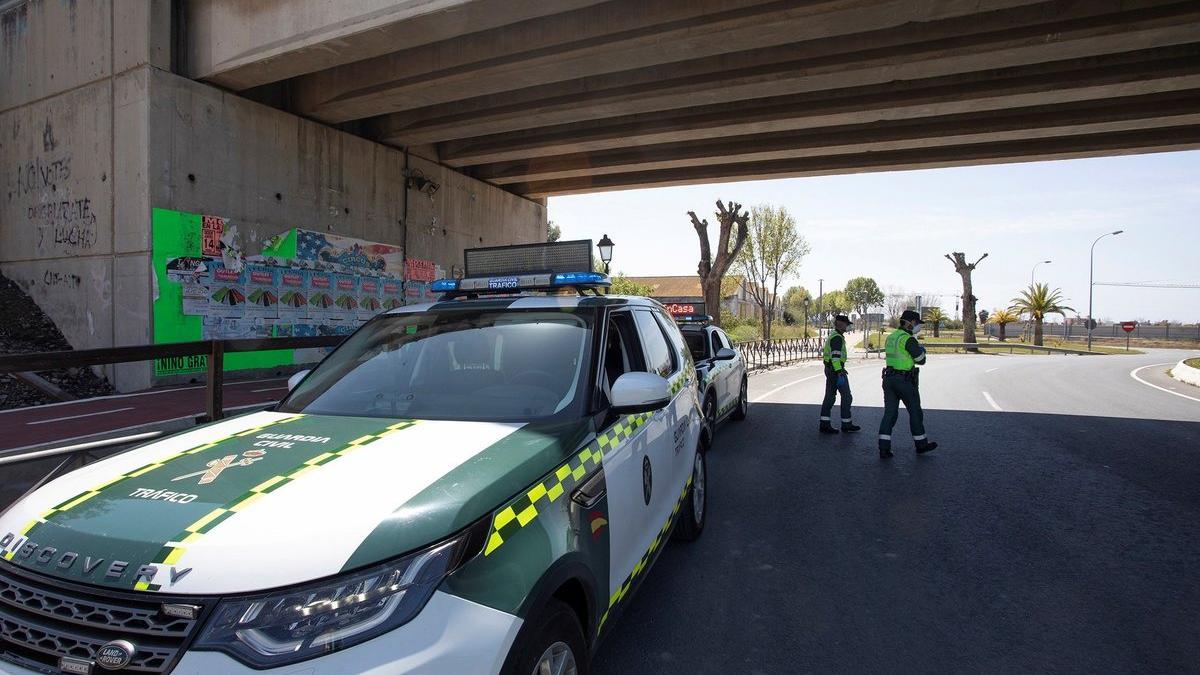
<point>475,485</point>
<point>719,366</point>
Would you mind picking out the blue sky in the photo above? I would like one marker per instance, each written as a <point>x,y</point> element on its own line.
<point>896,227</point>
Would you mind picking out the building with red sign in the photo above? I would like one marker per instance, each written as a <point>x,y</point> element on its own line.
<point>685,290</point>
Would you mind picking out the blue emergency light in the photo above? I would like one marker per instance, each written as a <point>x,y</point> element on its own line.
<point>693,318</point>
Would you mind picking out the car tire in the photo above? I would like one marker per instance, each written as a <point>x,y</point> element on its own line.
<point>693,513</point>
<point>743,405</point>
<point>554,633</point>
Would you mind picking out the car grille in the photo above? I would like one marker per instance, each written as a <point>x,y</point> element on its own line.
<point>42,621</point>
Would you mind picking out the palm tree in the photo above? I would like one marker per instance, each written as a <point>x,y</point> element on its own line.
<point>1037,301</point>
<point>1002,317</point>
<point>935,316</point>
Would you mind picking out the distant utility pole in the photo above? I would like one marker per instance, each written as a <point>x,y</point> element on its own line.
<point>820,295</point>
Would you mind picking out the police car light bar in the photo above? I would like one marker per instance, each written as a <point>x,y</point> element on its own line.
<point>518,284</point>
<point>526,267</point>
<point>693,318</point>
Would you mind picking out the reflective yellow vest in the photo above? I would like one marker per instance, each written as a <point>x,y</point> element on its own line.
<point>836,361</point>
<point>898,357</point>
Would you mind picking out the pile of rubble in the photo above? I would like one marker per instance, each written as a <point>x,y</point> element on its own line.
<point>25,328</point>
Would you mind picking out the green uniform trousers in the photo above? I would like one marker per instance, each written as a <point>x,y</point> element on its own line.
<point>900,386</point>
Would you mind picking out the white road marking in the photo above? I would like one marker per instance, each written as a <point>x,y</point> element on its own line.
<point>1134,374</point>
<point>75,417</point>
<point>992,401</point>
<point>991,370</point>
<point>781,388</point>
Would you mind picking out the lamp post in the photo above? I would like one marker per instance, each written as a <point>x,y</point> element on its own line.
<point>1091,322</point>
<point>606,246</point>
<point>806,317</point>
<point>820,297</point>
<point>1034,272</point>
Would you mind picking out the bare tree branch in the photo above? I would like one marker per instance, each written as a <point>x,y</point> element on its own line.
<point>705,251</point>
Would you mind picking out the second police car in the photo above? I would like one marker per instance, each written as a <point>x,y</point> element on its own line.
<point>721,367</point>
<point>471,486</point>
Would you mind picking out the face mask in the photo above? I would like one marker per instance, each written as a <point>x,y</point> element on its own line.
<point>916,329</point>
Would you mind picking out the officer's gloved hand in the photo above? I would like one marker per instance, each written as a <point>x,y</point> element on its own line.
<point>842,380</point>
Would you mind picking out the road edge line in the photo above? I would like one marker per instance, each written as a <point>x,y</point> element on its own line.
<point>1133,373</point>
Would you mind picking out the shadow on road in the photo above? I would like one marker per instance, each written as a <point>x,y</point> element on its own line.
<point>1027,542</point>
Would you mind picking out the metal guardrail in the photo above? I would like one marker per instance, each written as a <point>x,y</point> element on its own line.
<point>768,353</point>
<point>77,449</point>
<point>215,350</point>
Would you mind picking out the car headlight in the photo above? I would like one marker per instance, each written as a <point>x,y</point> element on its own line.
<point>295,624</point>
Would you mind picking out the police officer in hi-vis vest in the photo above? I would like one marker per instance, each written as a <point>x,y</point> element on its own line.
<point>836,381</point>
<point>900,383</point>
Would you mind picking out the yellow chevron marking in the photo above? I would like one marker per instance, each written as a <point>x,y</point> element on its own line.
<point>267,483</point>
<point>205,520</point>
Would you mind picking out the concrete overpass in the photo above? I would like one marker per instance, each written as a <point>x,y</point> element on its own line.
<point>545,98</point>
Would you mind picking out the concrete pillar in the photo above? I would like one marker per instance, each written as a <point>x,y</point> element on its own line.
<point>96,131</point>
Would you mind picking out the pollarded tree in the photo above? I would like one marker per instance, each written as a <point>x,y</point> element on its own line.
<point>1002,317</point>
<point>773,251</point>
<point>712,269</point>
<point>1037,301</point>
<point>964,270</point>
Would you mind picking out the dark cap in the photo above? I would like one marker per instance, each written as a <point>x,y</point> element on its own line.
<point>843,317</point>
<point>912,316</point>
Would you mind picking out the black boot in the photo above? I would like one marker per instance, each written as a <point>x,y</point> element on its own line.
<point>850,427</point>
<point>924,446</point>
<point>885,453</point>
<point>827,427</point>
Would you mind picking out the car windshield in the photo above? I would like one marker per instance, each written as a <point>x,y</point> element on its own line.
<point>460,364</point>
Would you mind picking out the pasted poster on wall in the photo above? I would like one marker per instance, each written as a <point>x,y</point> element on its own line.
<point>302,283</point>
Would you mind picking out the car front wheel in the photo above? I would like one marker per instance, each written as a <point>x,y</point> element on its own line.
<point>694,511</point>
<point>551,644</point>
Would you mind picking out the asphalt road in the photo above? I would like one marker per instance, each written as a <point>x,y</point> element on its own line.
<point>1057,528</point>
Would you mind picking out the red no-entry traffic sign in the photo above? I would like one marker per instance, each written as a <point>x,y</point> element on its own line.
<point>1128,326</point>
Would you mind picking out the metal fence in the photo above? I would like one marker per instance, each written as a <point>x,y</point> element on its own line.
<point>767,353</point>
<point>1112,330</point>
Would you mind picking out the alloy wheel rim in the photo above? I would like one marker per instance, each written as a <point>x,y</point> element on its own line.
<point>558,659</point>
<point>698,489</point>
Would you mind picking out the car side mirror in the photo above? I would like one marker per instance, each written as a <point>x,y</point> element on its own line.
<point>295,379</point>
<point>725,354</point>
<point>639,392</point>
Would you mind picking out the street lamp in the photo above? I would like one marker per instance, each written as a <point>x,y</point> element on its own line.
<point>606,246</point>
<point>1035,266</point>
<point>1091,322</point>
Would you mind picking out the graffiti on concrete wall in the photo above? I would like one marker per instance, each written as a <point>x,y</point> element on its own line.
<point>59,218</point>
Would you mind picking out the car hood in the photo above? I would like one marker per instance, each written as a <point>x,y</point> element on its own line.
<point>272,499</point>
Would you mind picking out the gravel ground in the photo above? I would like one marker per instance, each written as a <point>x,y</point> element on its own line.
<point>25,328</point>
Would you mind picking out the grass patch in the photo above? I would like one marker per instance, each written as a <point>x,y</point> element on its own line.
<point>931,345</point>
<point>1195,363</point>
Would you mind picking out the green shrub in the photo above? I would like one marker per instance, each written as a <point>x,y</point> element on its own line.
<point>745,333</point>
